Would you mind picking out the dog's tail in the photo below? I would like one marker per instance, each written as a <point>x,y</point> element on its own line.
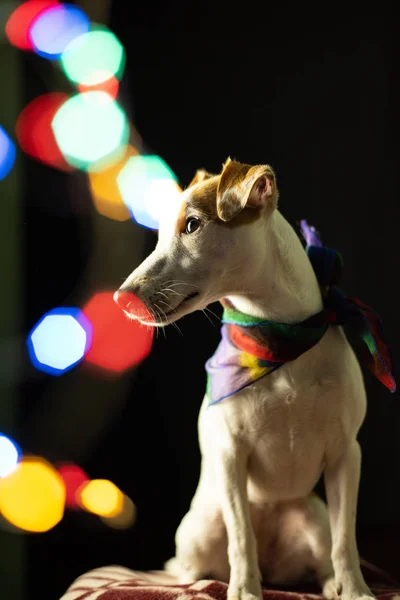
<point>377,571</point>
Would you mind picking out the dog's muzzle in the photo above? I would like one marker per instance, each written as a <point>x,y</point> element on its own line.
<point>134,307</point>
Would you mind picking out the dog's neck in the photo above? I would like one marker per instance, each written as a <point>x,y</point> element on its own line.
<point>283,287</point>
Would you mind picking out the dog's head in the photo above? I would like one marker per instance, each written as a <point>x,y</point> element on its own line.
<point>208,247</point>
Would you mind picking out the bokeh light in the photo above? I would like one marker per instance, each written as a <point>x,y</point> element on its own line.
<point>7,153</point>
<point>73,477</point>
<point>23,18</point>
<point>110,86</point>
<point>93,57</point>
<point>91,130</point>
<point>32,498</point>
<point>102,498</point>
<point>125,518</point>
<point>55,28</point>
<point>105,192</point>
<point>34,131</point>
<point>9,455</point>
<point>59,340</point>
<point>148,186</point>
<point>117,343</point>
<point>161,196</point>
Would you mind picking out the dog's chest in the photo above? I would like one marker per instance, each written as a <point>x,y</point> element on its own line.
<point>287,441</point>
<point>284,427</point>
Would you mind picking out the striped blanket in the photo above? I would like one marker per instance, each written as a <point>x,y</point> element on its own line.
<point>119,583</point>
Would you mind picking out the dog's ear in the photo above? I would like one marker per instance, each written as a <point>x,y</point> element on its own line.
<point>242,186</point>
<point>201,175</point>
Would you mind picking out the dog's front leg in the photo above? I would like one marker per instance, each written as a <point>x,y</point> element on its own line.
<point>231,472</point>
<point>342,479</point>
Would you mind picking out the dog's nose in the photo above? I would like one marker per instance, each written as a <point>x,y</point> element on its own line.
<point>123,299</point>
<point>132,305</point>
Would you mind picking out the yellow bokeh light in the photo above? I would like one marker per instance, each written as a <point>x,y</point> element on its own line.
<point>102,498</point>
<point>105,192</point>
<point>125,518</point>
<point>32,498</point>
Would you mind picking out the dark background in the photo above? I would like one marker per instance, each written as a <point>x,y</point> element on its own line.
<point>314,91</point>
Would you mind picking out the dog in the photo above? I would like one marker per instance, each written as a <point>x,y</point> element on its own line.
<point>254,515</point>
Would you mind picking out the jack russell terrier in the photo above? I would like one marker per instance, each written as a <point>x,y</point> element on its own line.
<point>285,396</point>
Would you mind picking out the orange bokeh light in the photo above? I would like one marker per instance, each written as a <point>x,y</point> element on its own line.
<point>117,343</point>
<point>34,131</point>
<point>110,86</point>
<point>21,20</point>
<point>105,191</point>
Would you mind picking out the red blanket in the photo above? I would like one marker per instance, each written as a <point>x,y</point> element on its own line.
<point>119,583</point>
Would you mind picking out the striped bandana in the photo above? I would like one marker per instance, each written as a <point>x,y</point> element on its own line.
<point>252,348</point>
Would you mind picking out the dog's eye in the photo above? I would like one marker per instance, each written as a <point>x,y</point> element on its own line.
<point>192,225</point>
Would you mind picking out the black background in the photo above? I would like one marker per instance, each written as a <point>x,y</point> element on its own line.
<point>312,89</point>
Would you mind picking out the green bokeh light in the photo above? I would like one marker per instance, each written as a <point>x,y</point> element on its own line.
<point>91,130</point>
<point>93,58</point>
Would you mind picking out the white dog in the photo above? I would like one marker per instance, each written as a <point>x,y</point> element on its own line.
<point>254,515</point>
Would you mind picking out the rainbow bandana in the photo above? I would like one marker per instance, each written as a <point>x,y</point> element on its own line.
<point>252,348</point>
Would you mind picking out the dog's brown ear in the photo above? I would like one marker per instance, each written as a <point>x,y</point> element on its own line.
<point>201,175</point>
<point>242,185</point>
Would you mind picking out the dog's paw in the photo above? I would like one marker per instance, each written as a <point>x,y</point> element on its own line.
<point>245,592</point>
<point>356,594</point>
<point>243,595</point>
<point>184,575</point>
<point>329,589</point>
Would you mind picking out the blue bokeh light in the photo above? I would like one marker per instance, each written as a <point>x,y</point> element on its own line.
<point>10,455</point>
<point>59,340</point>
<point>57,27</point>
<point>7,153</point>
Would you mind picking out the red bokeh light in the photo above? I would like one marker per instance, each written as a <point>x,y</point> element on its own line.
<point>34,132</point>
<point>73,477</point>
<point>110,86</point>
<point>21,20</point>
<point>117,343</point>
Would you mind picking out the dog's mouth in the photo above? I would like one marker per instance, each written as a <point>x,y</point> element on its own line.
<point>185,299</point>
<point>152,315</point>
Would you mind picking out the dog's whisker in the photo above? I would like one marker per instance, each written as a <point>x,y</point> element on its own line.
<point>212,313</point>
<point>209,319</point>
<point>174,292</point>
<point>166,304</point>
<point>177,328</point>
<point>175,282</point>
<point>163,317</point>
<point>162,294</point>
<point>157,316</point>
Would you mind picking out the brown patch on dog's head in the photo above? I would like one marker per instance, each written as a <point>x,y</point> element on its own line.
<point>234,197</point>
<point>202,200</point>
<point>181,220</point>
<point>201,175</point>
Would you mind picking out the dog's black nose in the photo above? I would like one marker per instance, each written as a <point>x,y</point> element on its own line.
<point>123,299</point>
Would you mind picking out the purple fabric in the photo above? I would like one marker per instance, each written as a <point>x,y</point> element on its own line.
<point>310,234</point>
